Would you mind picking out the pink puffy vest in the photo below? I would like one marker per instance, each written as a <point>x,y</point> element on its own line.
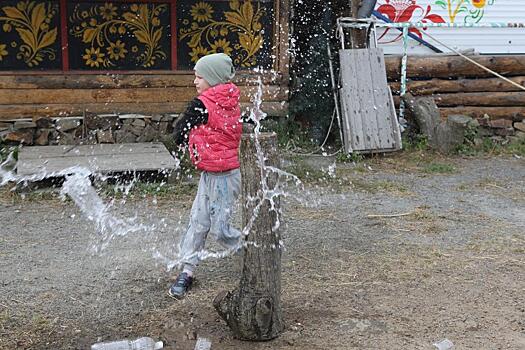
<point>214,146</point>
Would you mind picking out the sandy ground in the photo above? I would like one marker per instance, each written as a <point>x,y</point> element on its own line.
<point>450,265</point>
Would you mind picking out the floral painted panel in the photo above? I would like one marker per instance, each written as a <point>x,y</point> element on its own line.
<point>434,11</point>
<point>115,35</point>
<point>479,25</point>
<point>30,35</point>
<point>240,28</point>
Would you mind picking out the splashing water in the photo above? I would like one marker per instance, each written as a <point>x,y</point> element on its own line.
<point>285,181</point>
<point>78,187</point>
<point>7,170</point>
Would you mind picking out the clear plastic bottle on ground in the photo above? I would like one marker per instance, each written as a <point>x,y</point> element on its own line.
<point>143,343</point>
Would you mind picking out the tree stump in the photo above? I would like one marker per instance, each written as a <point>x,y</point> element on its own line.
<point>253,309</point>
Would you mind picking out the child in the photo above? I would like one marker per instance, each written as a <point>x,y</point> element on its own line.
<point>212,128</point>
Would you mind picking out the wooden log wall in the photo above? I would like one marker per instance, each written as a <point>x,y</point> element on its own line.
<point>460,87</point>
<point>61,95</point>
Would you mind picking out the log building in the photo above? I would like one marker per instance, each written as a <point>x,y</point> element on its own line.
<point>71,57</point>
<point>458,86</point>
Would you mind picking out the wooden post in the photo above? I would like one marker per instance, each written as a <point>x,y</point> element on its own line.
<point>253,309</point>
<point>358,37</point>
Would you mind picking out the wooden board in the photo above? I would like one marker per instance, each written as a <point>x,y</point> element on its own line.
<point>13,112</point>
<point>58,95</point>
<point>512,113</point>
<point>434,86</point>
<point>369,121</point>
<point>142,95</point>
<point>101,158</point>
<point>449,67</point>
<point>120,80</point>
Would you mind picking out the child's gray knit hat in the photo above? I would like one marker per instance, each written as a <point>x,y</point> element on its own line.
<point>216,68</point>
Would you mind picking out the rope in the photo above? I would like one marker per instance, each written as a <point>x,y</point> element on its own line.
<point>476,63</point>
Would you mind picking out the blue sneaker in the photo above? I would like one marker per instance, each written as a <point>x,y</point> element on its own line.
<point>181,286</point>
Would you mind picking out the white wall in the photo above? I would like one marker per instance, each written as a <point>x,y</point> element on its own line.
<point>483,40</point>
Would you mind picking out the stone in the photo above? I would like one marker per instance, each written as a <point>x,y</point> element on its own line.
<point>444,136</point>
<point>167,118</point>
<point>485,131</point>
<point>519,126</point>
<point>156,118</point>
<point>163,127</point>
<point>123,136</point>
<point>447,137</point>
<point>474,123</point>
<point>137,131</point>
<point>520,135</point>
<point>513,139</point>
<point>139,123</point>
<point>53,137</point>
<point>105,136</point>
<point>43,122</point>
<point>42,137</point>
<point>460,120</point>
<point>90,139</point>
<point>67,124</point>
<point>21,136</point>
<point>19,125</point>
<point>427,115</point>
<point>484,121</point>
<point>500,123</point>
<point>505,132</point>
<point>149,134</point>
<point>66,139</point>
<point>101,122</point>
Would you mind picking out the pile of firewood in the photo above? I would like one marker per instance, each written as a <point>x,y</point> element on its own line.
<point>461,88</point>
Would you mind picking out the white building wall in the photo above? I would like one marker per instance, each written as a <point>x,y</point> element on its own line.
<point>482,40</point>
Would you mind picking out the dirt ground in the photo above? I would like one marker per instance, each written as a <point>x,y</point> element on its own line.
<point>448,264</point>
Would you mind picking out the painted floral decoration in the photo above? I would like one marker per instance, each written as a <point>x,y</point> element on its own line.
<point>31,21</point>
<point>471,10</point>
<point>3,51</point>
<point>101,25</point>
<point>407,11</point>
<point>206,34</point>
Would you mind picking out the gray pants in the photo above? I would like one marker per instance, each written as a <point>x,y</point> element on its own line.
<point>211,213</point>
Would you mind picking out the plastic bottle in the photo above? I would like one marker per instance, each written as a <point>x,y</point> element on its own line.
<point>143,343</point>
<point>445,344</point>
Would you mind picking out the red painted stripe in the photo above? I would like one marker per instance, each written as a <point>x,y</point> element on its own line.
<point>63,35</point>
<point>173,15</point>
<point>133,1</point>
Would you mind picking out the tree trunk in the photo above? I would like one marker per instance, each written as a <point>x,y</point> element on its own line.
<point>480,99</point>
<point>253,309</point>
<point>516,114</point>
<point>436,86</point>
<point>454,66</point>
<point>509,99</point>
<point>358,39</point>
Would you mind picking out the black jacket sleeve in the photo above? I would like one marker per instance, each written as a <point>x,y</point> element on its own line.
<point>194,115</point>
